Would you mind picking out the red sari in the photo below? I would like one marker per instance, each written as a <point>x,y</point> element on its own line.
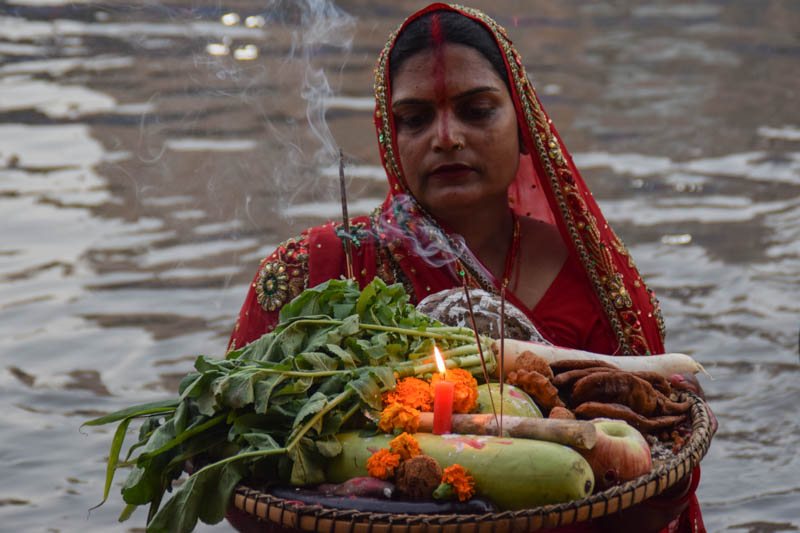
<point>599,301</point>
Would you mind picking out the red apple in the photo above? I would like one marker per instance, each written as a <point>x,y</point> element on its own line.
<point>621,453</point>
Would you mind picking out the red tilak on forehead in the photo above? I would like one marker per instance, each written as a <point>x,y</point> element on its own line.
<point>439,75</point>
<point>436,31</point>
<point>437,40</point>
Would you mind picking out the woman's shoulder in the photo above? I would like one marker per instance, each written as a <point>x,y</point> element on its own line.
<point>540,232</point>
<point>284,273</point>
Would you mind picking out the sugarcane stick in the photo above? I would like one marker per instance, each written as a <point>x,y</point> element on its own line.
<point>575,433</point>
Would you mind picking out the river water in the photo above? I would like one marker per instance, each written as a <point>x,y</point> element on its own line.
<point>151,153</point>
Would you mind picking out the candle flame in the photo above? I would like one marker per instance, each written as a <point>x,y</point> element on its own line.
<point>439,361</point>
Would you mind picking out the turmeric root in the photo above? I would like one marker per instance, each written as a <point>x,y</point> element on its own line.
<point>625,388</point>
<point>569,377</point>
<point>617,387</point>
<point>668,407</point>
<point>659,382</point>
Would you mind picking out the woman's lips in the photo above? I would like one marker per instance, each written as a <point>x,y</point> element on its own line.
<point>452,171</point>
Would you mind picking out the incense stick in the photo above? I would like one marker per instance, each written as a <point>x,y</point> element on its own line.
<point>502,353</point>
<point>480,350</point>
<point>348,246</point>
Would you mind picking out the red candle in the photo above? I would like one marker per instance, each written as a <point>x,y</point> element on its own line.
<point>442,399</point>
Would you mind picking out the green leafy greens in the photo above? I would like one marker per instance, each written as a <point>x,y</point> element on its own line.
<point>271,409</point>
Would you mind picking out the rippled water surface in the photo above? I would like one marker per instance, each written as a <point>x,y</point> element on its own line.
<point>152,153</point>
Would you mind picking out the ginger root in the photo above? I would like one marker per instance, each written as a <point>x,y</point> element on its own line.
<point>532,362</point>
<point>544,393</point>
<point>562,413</point>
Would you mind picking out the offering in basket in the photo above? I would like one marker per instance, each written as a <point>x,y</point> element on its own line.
<point>342,413</point>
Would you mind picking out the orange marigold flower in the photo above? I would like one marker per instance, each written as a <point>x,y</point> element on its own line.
<point>411,392</point>
<point>463,484</point>
<point>405,445</point>
<point>399,416</point>
<point>465,394</point>
<point>382,463</point>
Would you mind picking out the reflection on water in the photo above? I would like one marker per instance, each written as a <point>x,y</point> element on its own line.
<point>151,154</point>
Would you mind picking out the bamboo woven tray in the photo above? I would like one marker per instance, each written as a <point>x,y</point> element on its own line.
<point>319,519</point>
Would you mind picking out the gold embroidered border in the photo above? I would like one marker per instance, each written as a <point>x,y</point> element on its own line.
<point>581,225</point>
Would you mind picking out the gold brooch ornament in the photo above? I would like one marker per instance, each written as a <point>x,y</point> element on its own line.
<point>272,286</point>
<point>284,274</point>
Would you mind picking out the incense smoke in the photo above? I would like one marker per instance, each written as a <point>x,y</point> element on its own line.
<point>427,239</point>
<point>323,30</point>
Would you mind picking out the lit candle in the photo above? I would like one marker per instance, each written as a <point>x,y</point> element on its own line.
<point>442,398</point>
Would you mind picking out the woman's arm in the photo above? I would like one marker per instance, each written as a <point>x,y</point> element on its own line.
<point>280,277</point>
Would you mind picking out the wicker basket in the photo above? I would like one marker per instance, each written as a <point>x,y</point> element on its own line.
<point>318,519</point>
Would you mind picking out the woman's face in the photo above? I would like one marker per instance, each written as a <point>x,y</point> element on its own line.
<point>456,129</point>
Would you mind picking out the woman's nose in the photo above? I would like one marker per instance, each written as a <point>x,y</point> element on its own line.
<point>448,136</point>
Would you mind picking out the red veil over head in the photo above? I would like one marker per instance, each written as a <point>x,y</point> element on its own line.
<point>401,242</point>
<point>547,187</point>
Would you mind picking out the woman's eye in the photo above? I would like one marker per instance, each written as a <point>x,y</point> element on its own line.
<point>412,120</point>
<point>477,112</point>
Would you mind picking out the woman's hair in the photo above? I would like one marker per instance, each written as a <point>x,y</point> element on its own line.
<point>439,27</point>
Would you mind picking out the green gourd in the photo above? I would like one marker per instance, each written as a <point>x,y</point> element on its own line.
<point>512,473</point>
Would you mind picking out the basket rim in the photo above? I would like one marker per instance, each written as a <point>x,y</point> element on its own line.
<point>322,519</point>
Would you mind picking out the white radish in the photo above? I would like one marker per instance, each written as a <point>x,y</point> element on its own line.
<point>665,364</point>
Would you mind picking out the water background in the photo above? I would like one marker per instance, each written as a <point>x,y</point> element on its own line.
<point>151,153</point>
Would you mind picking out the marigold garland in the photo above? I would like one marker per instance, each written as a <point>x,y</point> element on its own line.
<point>382,464</point>
<point>465,394</point>
<point>411,392</point>
<point>463,484</point>
<point>405,445</point>
<point>399,416</point>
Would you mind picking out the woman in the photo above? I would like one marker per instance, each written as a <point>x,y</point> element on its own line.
<point>470,153</point>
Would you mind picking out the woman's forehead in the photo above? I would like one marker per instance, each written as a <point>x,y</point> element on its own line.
<point>454,68</point>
